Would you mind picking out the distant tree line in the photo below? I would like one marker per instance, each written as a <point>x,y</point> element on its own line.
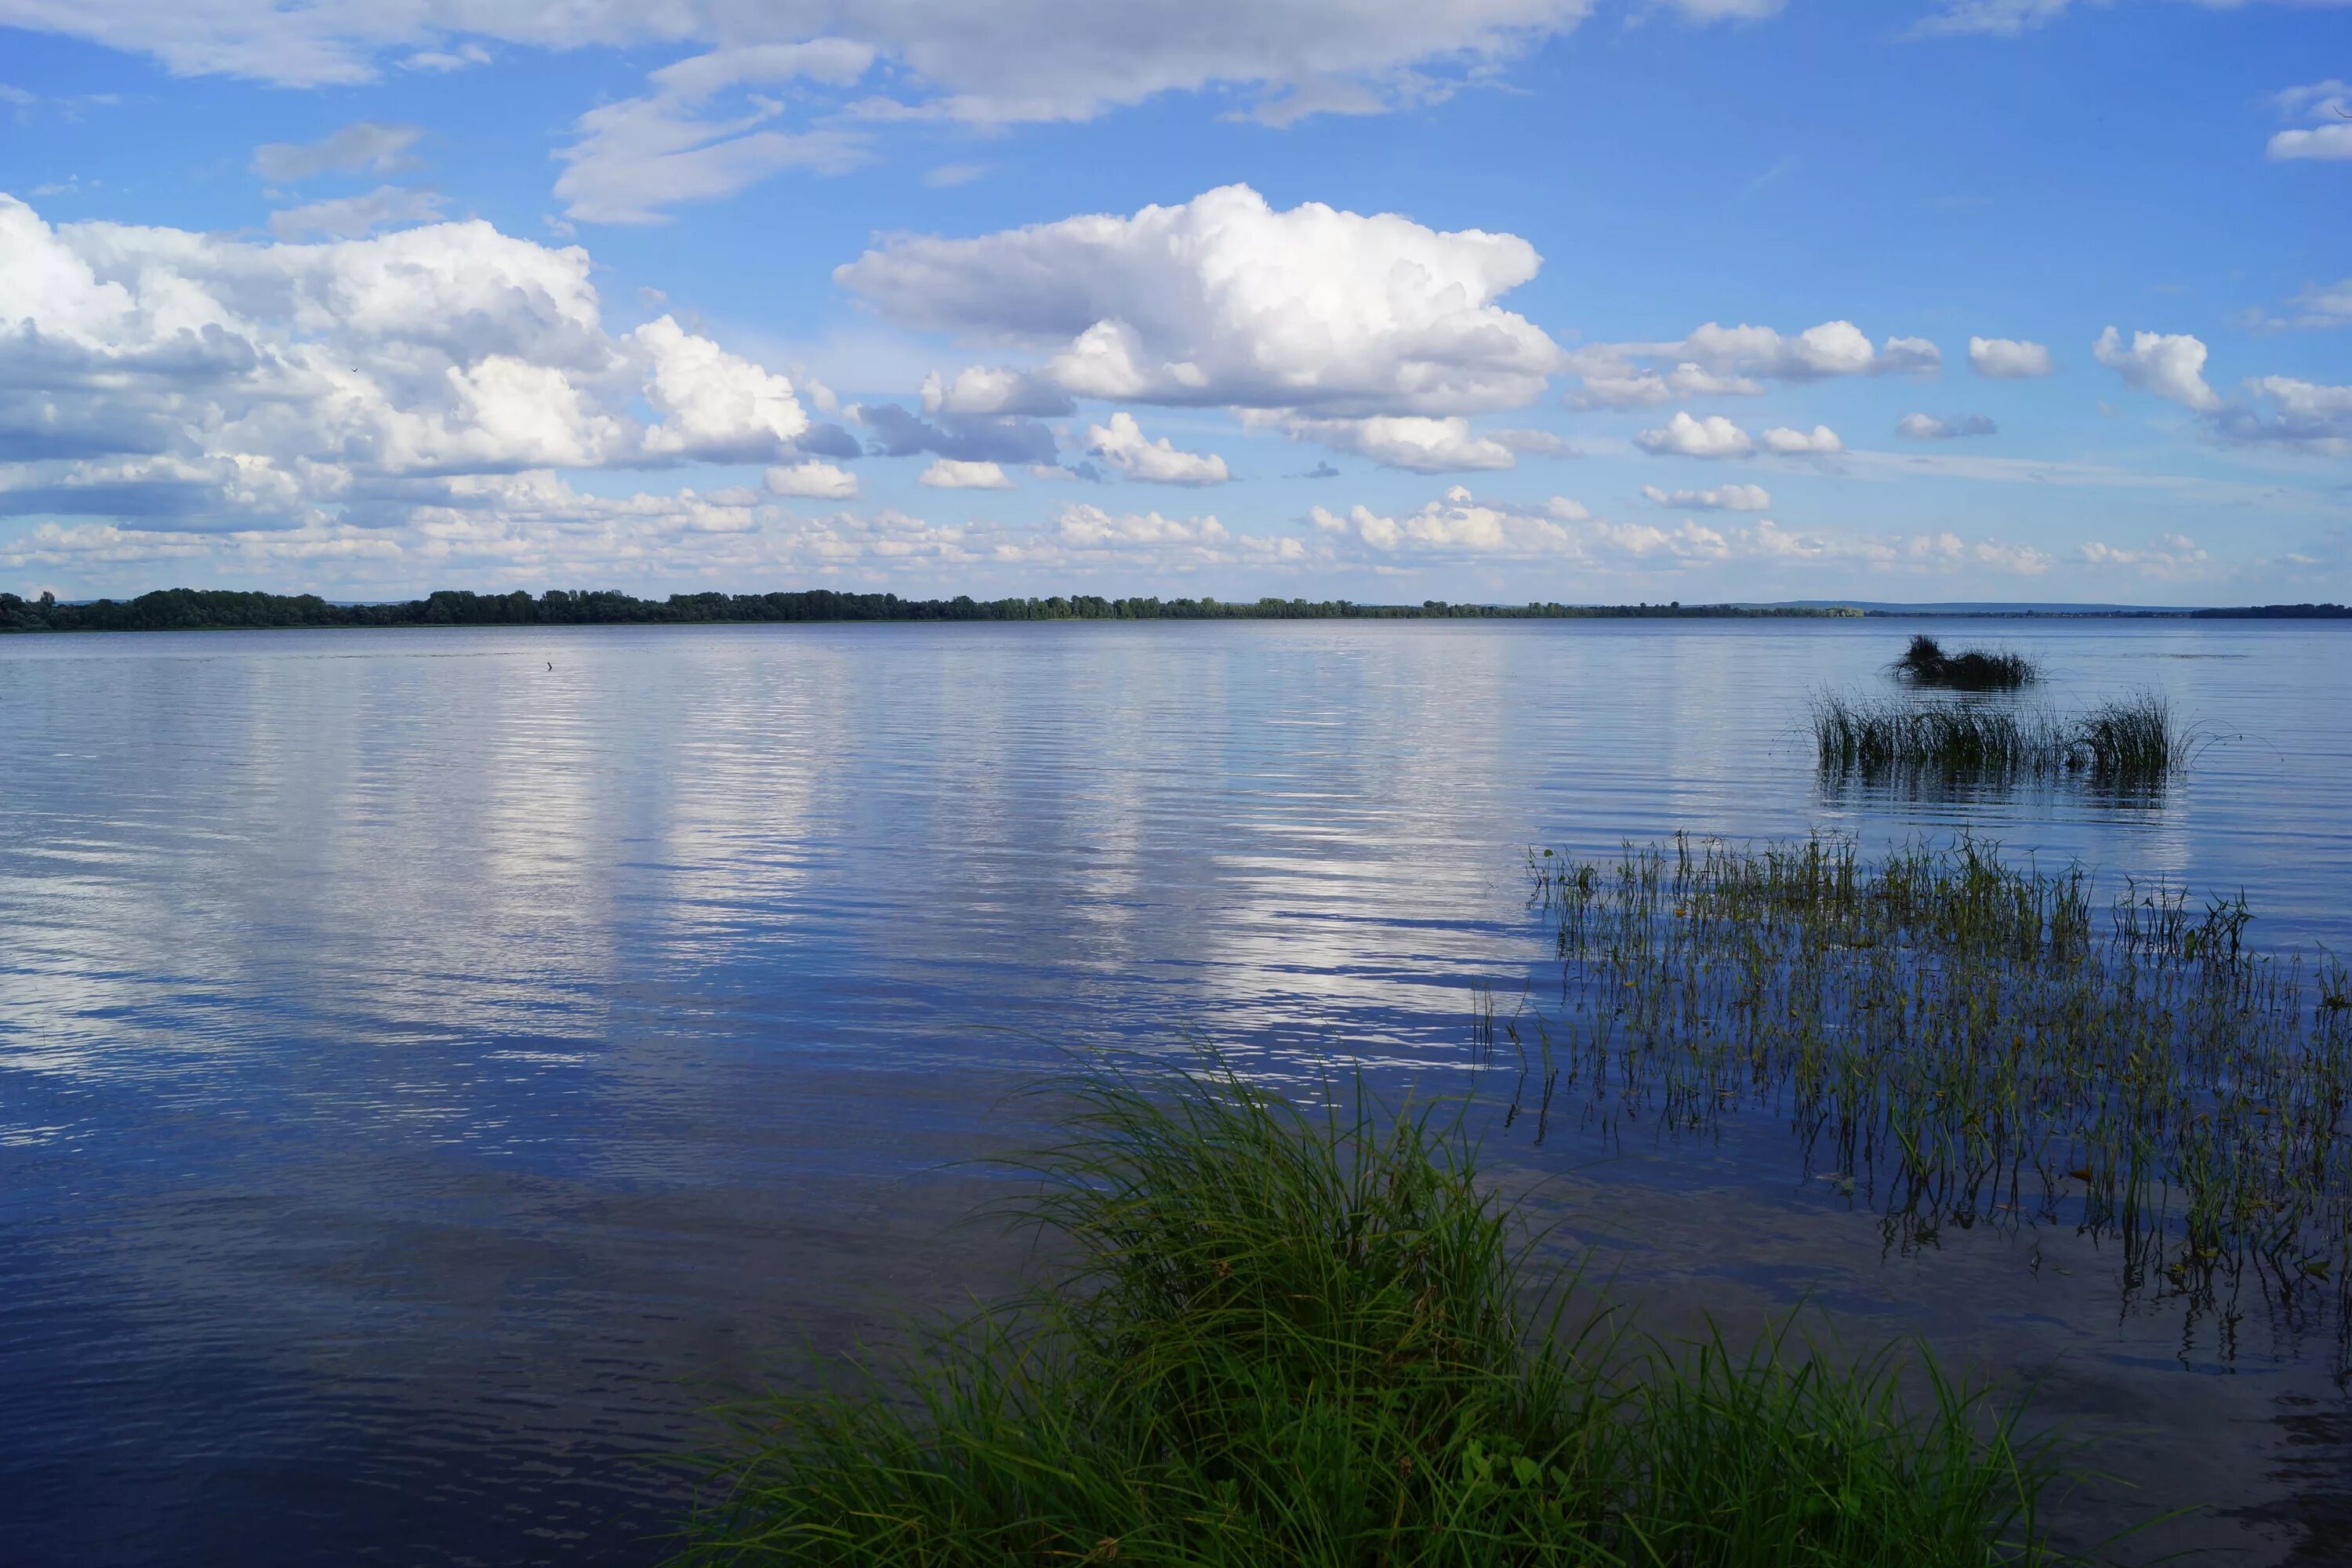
<point>2277,612</point>
<point>211,609</point>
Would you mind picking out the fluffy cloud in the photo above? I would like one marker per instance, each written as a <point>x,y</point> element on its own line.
<point>1461,526</point>
<point>821,481</point>
<point>978,389</point>
<point>1684,436</point>
<point>173,380</point>
<point>951,474</point>
<point>1122,445</point>
<point>2008,359</point>
<point>2327,104</point>
<point>1925,428</point>
<point>365,144</point>
<point>2171,557</point>
<point>1721,497</point>
<point>1735,362</point>
<point>1224,300</point>
<point>2169,365</point>
<point>1410,442</point>
<point>2308,416</point>
<point>640,155</point>
<point>1821,441</point>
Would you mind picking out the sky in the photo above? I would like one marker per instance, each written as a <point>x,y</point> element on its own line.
<point>1496,300</point>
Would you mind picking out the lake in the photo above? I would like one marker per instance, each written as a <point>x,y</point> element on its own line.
<point>437,1066</point>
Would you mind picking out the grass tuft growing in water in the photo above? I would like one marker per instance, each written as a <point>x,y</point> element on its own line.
<point>1925,663</point>
<point>2132,741</point>
<point>1311,1335</point>
<point>1966,1041</point>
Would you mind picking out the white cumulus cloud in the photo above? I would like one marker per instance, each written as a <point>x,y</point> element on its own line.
<point>811,477</point>
<point>1409,441</point>
<point>170,380</point>
<point>2169,365</point>
<point>2008,359</point>
<point>1817,442</point>
<point>1123,446</point>
<point>2327,104</point>
<point>955,474</point>
<point>1926,427</point>
<point>1719,360</point>
<point>1684,437</point>
<point>1222,300</point>
<point>1719,497</point>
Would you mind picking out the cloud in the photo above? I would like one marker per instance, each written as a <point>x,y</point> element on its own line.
<point>1684,436</point>
<point>2011,18</point>
<point>1723,498</point>
<point>353,217</point>
<point>979,389</point>
<point>373,145</point>
<point>1461,526</point>
<point>2170,365</point>
<point>1923,428</point>
<point>1821,441</point>
<point>2008,359</point>
<point>1717,361</point>
<point>1224,300</point>
<point>813,479</point>
<point>1727,10</point>
<point>2172,556</point>
<point>1410,442</point>
<point>2323,305</point>
<point>2328,104</point>
<point>1045,60</point>
<point>161,376</point>
<point>637,157</point>
<point>949,175</point>
<point>1122,444</point>
<point>975,438</point>
<point>953,474</point>
<point>2303,415</point>
<point>1541,443</point>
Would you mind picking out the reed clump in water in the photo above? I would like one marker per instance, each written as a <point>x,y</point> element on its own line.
<point>2126,740</point>
<point>1925,663</point>
<point>1966,1041</point>
<point>1287,1334</point>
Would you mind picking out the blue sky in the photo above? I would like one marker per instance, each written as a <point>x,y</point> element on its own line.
<point>1585,300</point>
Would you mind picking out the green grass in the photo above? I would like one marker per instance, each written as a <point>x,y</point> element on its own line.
<point>1925,663</point>
<point>1964,1041</point>
<point>1311,1335</point>
<point>2132,741</point>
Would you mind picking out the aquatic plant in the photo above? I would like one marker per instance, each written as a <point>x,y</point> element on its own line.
<point>1965,1041</point>
<point>1311,1334</point>
<point>1925,663</point>
<point>2126,740</point>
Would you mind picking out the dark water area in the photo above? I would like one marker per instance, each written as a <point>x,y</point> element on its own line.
<point>429,1078</point>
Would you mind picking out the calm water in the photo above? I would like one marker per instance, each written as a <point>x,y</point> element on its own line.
<point>428,1077</point>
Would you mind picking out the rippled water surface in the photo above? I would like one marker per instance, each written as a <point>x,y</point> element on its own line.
<point>435,1065</point>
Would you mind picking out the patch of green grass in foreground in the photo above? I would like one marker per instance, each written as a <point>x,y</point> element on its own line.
<point>1312,1335</point>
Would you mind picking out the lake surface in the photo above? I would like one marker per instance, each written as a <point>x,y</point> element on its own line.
<point>434,1066</point>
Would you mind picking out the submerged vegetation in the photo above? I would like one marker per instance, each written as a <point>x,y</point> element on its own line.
<point>2129,740</point>
<point>1962,1042</point>
<point>1925,663</point>
<point>1313,1336</point>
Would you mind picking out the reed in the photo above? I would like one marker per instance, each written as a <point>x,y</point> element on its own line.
<point>1960,1041</point>
<point>2132,740</point>
<point>1311,1334</point>
<point>1925,663</point>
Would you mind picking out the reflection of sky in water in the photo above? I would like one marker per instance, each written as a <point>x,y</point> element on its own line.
<point>426,1076</point>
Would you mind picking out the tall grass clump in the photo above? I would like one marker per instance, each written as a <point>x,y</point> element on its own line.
<point>1925,663</point>
<point>2130,740</point>
<point>1963,1041</point>
<point>1312,1335</point>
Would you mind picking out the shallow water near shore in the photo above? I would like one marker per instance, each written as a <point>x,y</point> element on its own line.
<point>428,1077</point>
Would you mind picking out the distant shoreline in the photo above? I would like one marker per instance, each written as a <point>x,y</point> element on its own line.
<point>207,609</point>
